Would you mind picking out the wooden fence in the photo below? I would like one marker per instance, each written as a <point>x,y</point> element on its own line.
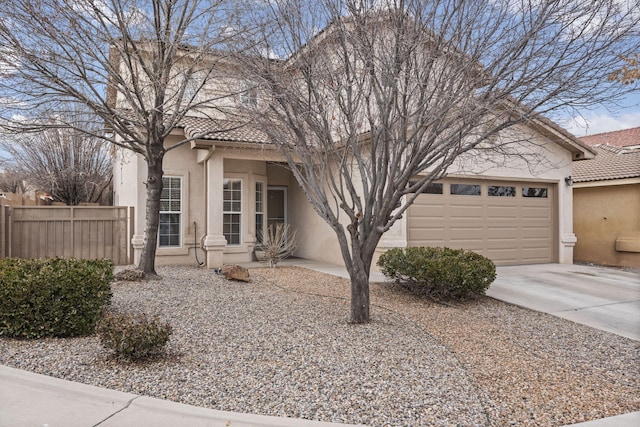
<point>67,231</point>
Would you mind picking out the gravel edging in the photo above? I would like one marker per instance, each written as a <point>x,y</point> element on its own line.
<point>281,346</point>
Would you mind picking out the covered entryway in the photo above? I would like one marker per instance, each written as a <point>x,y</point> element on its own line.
<point>508,222</point>
<point>276,206</point>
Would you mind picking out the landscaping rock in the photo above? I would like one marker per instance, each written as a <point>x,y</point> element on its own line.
<point>235,272</point>
<point>129,275</point>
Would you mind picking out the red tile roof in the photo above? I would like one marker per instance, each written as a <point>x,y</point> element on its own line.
<point>222,130</point>
<point>618,138</point>
<point>610,163</point>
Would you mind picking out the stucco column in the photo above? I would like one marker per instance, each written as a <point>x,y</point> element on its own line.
<point>565,213</point>
<point>134,195</point>
<point>214,241</point>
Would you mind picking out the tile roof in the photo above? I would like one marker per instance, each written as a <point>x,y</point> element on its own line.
<point>618,138</point>
<point>222,130</point>
<point>610,163</point>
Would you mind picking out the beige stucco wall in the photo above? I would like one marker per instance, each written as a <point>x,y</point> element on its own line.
<point>200,171</point>
<point>130,173</point>
<point>603,214</point>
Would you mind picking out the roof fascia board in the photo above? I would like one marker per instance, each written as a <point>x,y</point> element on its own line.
<point>606,183</point>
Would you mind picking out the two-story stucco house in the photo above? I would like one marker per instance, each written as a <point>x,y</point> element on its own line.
<point>223,189</point>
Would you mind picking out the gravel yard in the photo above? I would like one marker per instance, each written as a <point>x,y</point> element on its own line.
<point>281,345</point>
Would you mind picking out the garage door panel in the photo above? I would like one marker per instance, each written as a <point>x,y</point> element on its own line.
<point>425,211</point>
<point>425,223</point>
<point>507,244</point>
<point>535,242</point>
<point>468,245</point>
<point>539,232</point>
<point>502,211</point>
<point>508,233</point>
<point>428,243</point>
<point>464,211</point>
<point>536,212</point>
<point>428,234</point>
<point>505,255</point>
<point>509,230</point>
<point>535,255</point>
<point>462,233</point>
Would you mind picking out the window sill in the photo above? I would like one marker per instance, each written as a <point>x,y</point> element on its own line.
<point>183,250</point>
<point>241,249</point>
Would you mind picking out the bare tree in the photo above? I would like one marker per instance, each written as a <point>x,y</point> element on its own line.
<point>73,166</point>
<point>11,179</point>
<point>391,93</point>
<point>139,65</point>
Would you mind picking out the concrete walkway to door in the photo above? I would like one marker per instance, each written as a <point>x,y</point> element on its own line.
<point>601,297</point>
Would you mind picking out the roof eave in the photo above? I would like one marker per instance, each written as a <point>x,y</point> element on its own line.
<point>606,182</point>
<point>578,149</point>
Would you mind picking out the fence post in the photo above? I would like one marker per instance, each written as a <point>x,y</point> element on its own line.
<point>132,223</point>
<point>8,227</point>
<point>4,228</point>
<point>72,232</point>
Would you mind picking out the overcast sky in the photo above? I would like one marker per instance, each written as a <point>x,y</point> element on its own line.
<point>626,116</point>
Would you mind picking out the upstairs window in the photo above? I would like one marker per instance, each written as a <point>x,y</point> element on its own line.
<point>249,96</point>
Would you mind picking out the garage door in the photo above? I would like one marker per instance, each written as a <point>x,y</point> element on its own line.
<point>510,223</point>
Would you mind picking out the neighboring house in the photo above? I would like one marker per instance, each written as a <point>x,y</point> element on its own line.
<point>222,190</point>
<point>606,194</point>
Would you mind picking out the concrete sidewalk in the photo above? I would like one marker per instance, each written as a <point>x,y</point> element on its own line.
<point>32,400</point>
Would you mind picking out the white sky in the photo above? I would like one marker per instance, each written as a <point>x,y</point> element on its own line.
<point>601,120</point>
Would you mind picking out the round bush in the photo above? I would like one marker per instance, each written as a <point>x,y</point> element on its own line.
<point>133,336</point>
<point>439,272</point>
<point>52,297</point>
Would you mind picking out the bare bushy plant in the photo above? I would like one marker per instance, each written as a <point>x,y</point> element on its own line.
<point>279,242</point>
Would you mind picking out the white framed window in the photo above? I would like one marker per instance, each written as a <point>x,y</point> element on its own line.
<point>232,211</point>
<point>249,95</point>
<point>193,86</point>
<point>259,210</point>
<point>170,212</point>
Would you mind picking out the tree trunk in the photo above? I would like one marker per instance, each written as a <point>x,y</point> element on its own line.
<point>359,294</point>
<point>154,189</point>
<point>359,274</point>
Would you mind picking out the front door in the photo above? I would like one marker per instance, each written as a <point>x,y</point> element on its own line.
<point>276,205</point>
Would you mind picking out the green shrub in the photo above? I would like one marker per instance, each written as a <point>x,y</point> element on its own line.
<point>133,336</point>
<point>52,297</point>
<point>439,272</point>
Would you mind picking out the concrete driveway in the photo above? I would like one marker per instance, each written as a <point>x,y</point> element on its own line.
<point>601,297</point>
